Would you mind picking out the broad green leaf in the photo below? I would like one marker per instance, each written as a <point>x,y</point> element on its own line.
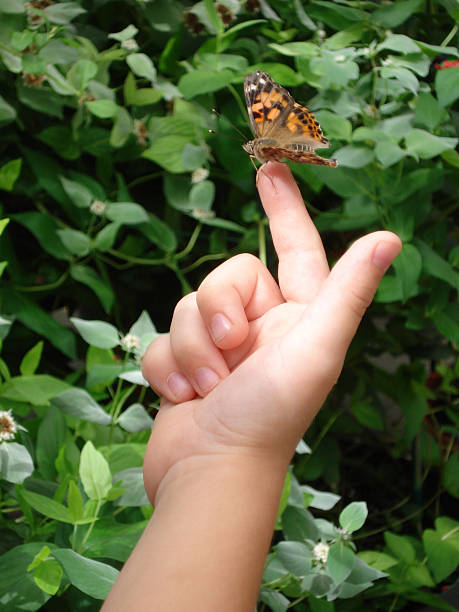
<point>451,157</point>
<point>127,213</point>
<point>48,576</point>
<point>404,76</point>
<point>388,153</point>
<point>87,276</point>
<point>53,435</point>
<point>367,415</point>
<point>7,112</point>
<point>394,14</point>
<point>80,404</point>
<point>213,16</point>
<point>94,473</point>
<point>353,156</point>
<point>131,481</point>
<point>43,227</point>
<point>9,173</point>
<point>435,265</point>
<point>16,583</point>
<point>37,389</point>
<point>399,43</point>
<point>408,266</point>
<point>334,125</point>
<point>15,462</point>
<point>377,560</point>
<point>33,317</point>
<point>128,32</point>
<point>64,12</point>
<point>74,502</point>
<point>447,85</point>
<point>122,128</point>
<point>442,556</point>
<point>193,157</point>
<point>299,525</point>
<point>400,547</point>
<point>295,49</point>
<point>81,73</point>
<point>451,475</point>
<point>447,323</point>
<point>104,109</point>
<point>142,66</point>
<point>420,143</point>
<point>340,561</point>
<point>47,506</point>
<point>102,374</point>
<point>167,152</point>
<point>159,233</point>
<point>295,556</point>
<point>75,241</point>
<point>31,359</point>
<point>60,139</point>
<point>80,195</point>
<point>114,540</point>
<point>135,419</point>
<point>353,516</point>
<point>91,577</point>
<point>201,82</point>
<point>429,113</point>
<point>322,500</point>
<point>105,239</point>
<point>202,195</point>
<point>98,333</point>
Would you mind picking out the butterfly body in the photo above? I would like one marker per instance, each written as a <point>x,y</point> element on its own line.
<point>283,129</point>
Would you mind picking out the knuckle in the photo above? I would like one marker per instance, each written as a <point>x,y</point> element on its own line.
<point>358,301</point>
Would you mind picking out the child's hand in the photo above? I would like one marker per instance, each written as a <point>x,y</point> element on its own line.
<point>248,361</point>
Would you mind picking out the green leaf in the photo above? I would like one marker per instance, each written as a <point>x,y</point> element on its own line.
<point>80,404</point>
<point>447,86</point>
<point>105,239</point>
<point>367,415</point>
<point>446,321</point>
<point>104,109</point>
<point>74,502</point>
<point>451,475</point>
<point>354,157</point>
<point>388,153</point>
<point>159,233</point>
<point>48,576</point>
<point>98,333</point>
<point>400,547</point>
<point>94,473</point>
<point>434,264</point>
<point>52,436</point>
<point>377,560</point>
<point>37,389</point>
<point>80,195</point>
<point>128,32</point>
<point>201,82</point>
<point>87,276</point>
<point>31,359</point>
<point>408,266</point>
<point>334,126</point>
<point>15,462</point>
<point>295,556</point>
<point>47,506</point>
<point>320,499</point>
<point>213,16</point>
<point>167,152</point>
<point>122,128</point>
<point>131,480</point>
<point>442,556</point>
<point>75,241</point>
<point>428,111</point>
<point>202,195</point>
<point>193,157</point>
<point>16,583</point>
<point>299,525</point>
<point>64,12</point>
<point>353,516</point>
<point>43,227</point>
<point>404,76</point>
<point>127,213</point>
<point>142,66</point>
<point>9,173</point>
<point>421,143</point>
<point>135,419</point>
<point>399,43</point>
<point>451,157</point>
<point>91,577</point>
<point>7,112</point>
<point>33,317</point>
<point>81,73</point>
<point>395,14</point>
<point>340,561</point>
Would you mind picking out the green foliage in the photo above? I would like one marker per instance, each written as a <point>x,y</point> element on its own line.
<point>116,197</point>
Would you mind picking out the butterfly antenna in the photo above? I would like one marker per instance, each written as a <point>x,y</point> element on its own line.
<point>220,116</point>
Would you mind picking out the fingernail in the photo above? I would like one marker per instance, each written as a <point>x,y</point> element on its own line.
<point>384,254</point>
<point>178,384</point>
<point>206,379</point>
<point>219,326</point>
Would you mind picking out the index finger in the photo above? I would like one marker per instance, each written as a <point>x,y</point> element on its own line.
<point>303,265</point>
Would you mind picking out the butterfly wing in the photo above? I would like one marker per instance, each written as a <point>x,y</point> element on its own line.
<point>268,103</point>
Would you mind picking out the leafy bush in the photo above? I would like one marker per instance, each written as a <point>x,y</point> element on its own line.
<point>116,199</point>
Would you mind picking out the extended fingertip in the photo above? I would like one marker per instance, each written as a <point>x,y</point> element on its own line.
<point>385,252</point>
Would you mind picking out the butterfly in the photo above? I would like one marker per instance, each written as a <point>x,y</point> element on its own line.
<point>282,127</point>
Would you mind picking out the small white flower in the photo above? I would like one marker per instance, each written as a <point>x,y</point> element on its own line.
<point>8,426</point>
<point>98,208</point>
<point>342,532</point>
<point>130,44</point>
<point>131,342</point>
<point>387,62</point>
<point>320,552</point>
<point>200,174</point>
<point>200,213</point>
<point>321,33</point>
<point>340,58</point>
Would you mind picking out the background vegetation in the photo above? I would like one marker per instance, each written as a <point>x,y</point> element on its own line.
<point>116,200</point>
